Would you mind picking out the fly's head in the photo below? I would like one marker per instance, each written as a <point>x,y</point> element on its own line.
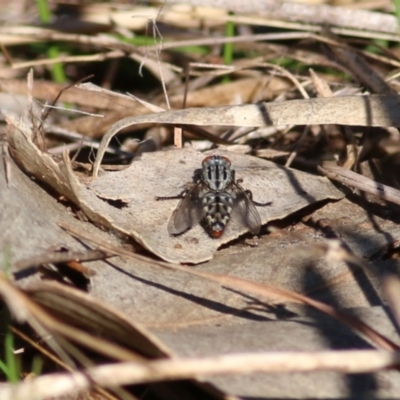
<point>217,173</point>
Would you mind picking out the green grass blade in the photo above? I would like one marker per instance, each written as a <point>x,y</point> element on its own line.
<point>228,47</point>
<point>53,52</point>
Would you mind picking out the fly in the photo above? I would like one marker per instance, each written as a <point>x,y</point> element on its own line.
<point>214,200</point>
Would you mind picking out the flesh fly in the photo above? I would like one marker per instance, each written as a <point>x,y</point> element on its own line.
<point>215,199</point>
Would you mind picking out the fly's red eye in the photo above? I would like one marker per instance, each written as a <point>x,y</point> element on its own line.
<point>226,159</point>
<point>216,157</point>
<point>207,159</point>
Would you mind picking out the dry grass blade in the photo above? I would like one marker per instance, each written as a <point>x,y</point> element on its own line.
<point>50,356</point>
<point>4,156</point>
<point>94,316</point>
<point>391,287</point>
<point>360,361</point>
<point>357,361</point>
<point>360,69</point>
<point>25,310</point>
<point>296,112</point>
<point>321,14</point>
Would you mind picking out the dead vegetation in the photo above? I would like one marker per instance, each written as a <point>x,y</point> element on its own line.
<point>98,300</point>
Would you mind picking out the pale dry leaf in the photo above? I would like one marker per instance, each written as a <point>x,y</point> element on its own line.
<point>36,162</point>
<point>278,260</point>
<point>29,216</point>
<point>58,175</point>
<point>166,174</point>
<point>17,105</point>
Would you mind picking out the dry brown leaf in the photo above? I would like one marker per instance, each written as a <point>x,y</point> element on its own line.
<point>126,200</point>
<point>167,173</point>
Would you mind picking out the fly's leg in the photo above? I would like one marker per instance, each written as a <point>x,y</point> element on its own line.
<point>181,195</point>
<point>256,203</point>
<point>250,196</point>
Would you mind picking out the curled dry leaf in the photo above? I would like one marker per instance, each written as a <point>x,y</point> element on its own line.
<point>126,200</point>
<point>346,110</point>
<point>29,234</point>
<point>167,173</point>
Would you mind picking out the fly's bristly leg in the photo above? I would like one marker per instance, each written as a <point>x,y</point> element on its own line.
<point>250,194</point>
<point>256,203</point>
<point>269,203</point>
<point>181,195</point>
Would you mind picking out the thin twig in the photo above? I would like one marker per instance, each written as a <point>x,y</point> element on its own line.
<point>54,385</point>
<point>354,180</point>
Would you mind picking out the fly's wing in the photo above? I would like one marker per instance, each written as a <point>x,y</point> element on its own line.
<point>188,212</point>
<point>244,210</point>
